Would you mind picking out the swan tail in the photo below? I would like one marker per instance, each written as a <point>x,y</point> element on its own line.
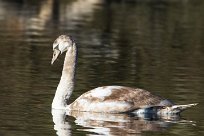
<point>176,109</point>
<point>183,107</point>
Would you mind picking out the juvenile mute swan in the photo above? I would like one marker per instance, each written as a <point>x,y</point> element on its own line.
<point>108,99</point>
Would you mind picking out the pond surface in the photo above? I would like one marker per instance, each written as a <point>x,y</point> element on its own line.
<point>157,45</point>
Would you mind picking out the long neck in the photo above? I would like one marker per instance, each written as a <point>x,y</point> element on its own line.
<point>66,84</point>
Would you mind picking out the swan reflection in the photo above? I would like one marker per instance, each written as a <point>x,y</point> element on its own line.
<point>111,124</point>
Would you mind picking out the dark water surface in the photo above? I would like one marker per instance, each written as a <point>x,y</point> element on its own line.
<point>153,44</point>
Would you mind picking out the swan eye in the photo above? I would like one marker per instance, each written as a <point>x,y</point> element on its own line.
<point>56,45</point>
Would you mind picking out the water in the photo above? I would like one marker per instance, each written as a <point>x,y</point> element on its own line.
<point>156,45</point>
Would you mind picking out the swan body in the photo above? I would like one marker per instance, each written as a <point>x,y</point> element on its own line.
<point>114,99</point>
<point>108,99</point>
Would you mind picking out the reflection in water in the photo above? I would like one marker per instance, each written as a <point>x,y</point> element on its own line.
<point>112,124</point>
<point>61,125</point>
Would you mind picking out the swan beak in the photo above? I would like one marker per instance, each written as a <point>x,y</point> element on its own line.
<point>55,55</point>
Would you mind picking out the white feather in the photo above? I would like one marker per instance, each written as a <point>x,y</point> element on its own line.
<point>101,93</point>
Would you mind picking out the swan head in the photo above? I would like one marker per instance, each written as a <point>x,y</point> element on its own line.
<point>60,45</point>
